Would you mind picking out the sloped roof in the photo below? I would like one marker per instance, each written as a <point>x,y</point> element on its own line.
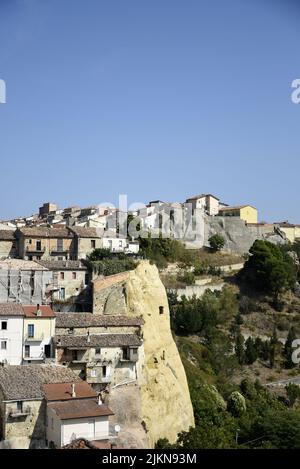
<point>237,207</point>
<point>11,309</point>
<point>20,382</point>
<point>82,408</point>
<point>46,232</point>
<point>67,320</point>
<point>99,340</point>
<point>63,391</point>
<point>201,196</point>
<point>7,235</point>
<point>31,311</point>
<point>62,265</point>
<point>83,232</point>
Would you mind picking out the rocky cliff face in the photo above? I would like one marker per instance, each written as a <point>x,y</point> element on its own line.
<point>166,407</point>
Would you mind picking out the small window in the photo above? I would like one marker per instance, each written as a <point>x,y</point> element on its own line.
<point>3,345</point>
<point>93,374</point>
<point>20,406</point>
<point>161,310</point>
<point>62,276</point>
<point>38,245</point>
<point>93,244</point>
<point>104,371</point>
<point>74,275</point>
<point>4,325</point>
<point>98,351</point>
<point>62,294</point>
<point>30,330</point>
<point>120,244</point>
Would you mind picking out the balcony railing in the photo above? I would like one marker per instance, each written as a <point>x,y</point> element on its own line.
<point>32,249</point>
<point>20,413</point>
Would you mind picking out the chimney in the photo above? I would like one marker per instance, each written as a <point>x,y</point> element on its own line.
<point>100,400</point>
<point>88,337</point>
<point>73,390</point>
<point>38,311</point>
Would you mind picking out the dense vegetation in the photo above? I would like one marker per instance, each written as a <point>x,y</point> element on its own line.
<point>104,262</point>
<point>231,413</point>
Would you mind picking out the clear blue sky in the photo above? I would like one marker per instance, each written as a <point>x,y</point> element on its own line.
<point>151,98</point>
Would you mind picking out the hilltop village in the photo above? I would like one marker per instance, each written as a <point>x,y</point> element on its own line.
<point>87,356</point>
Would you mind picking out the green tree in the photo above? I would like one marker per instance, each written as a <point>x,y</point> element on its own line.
<point>251,353</point>
<point>288,349</point>
<point>239,347</point>
<point>273,348</point>
<point>216,242</point>
<point>293,393</point>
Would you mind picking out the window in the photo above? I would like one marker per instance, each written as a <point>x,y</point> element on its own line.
<point>27,351</point>
<point>74,275</point>
<point>30,241</point>
<point>74,355</point>
<point>62,293</point>
<point>98,351</point>
<point>30,330</point>
<point>60,245</point>
<point>93,374</point>
<point>161,310</point>
<point>126,353</point>
<point>4,325</point>
<point>38,245</point>
<point>62,276</point>
<point>3,345</point>
<point>93,244</point>
<point>20,406</point>
<point>104,371</point>
<point>120,244</point>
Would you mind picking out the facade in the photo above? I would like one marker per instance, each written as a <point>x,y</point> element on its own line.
<point>69,279</point>
<point>244,212</point>
<point>23,282</point>
<point>205,202</point>
<point>39,330</point>
<point>43,243</point>
<point>291,231</point>
<point>22,402</point>
<point>74,411</point>
<point>103,360</point>
<point>87,240</point>
<point>8,244</point>
<point>11,334</point>
<point>47,209</point>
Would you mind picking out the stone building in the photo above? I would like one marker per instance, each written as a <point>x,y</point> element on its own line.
<point>244,212</point>
<point>206,202</point>
<point>86,241</point>
<point>22,403</point>
<point>8,244</point>
<point>43,243</point>
<point>39,330</point>
<point>11,333</point>
<point>102,350</point>
<point>69,281</point>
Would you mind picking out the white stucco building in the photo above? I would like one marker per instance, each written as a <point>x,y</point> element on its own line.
<point>11,333</point>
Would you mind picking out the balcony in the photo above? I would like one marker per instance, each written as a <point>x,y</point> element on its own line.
<point>38,358</point>
<point>34,338</point>
<point>59,251</point>
<point>35,250</point>
<point>14,414</point>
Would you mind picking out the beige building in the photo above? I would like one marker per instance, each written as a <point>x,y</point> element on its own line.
<point>245,212</point>
<point>291,231</point>
<point>102,350</point>
<point>75,411</point>
<point>8,244</point>
<point>39,330</point>
<point>69,280</point>
<point>43,243</point>
<point>206,202</point>
<point>86,241</point>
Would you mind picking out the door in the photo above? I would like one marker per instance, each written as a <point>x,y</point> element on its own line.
<point>27,351</point>
<point>47,351</point>
<point>91,430</point>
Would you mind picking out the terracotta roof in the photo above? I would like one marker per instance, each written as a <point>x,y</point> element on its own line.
<point>83,232</point>
<point>63,391</point>
<point>80,408</point>
<point>31,311</point>
<point>237,207</point>
<point>7,235</point>
<point>102,283</point>
<point>62,265</point>
<point>46,232</point>
<point>100,340</point>
<point>67,320</point>
<point>19,382</point>
<point>11,309</point>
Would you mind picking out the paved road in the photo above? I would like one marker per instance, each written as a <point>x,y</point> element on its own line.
<point>282,383</point>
